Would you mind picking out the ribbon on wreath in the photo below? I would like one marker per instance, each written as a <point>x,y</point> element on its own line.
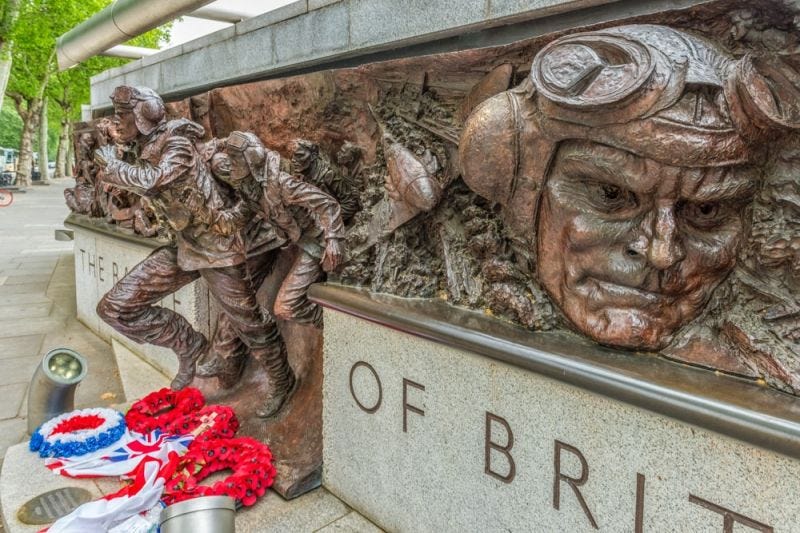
<point>123,457</point>
<point>113,509</point>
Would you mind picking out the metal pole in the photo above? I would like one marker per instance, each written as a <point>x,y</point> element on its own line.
<point>116,24</point>
<point>130,52</point>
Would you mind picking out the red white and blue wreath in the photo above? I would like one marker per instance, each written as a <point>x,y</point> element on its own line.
<point>78,433</point>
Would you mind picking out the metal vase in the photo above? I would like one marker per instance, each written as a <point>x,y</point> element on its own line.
<point>52,390</point>
<point>207,514</point>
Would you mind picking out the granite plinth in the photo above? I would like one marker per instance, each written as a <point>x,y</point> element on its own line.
<point>424,435</point>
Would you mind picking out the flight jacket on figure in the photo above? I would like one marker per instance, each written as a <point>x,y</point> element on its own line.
<point>299,210</point>
<point>172,174</point>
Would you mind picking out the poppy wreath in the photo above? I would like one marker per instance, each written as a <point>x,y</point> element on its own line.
<point>161,408</point>
<point>224,423</point>
<point>249,460</point>
<point>78,433</point>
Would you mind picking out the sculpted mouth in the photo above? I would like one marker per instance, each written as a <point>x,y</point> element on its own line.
<point>626,293</point>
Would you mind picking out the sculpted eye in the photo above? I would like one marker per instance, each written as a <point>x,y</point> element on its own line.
<point>703,215</point>
<point>610,198</point>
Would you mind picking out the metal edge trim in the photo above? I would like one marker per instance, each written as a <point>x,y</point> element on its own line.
<point>77,221</point>
<point>780,434</point>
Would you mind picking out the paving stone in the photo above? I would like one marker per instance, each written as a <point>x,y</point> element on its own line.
<point>27,278</point>
<point>14,299</point>
<point>29,326</point>
<point>12,432</point>
<point>19,369</point>
<point>23,288</point>
<point>11,397</point>
<point>14,312</point>
<point>351,523</point>
<point>308,512</point>
<point>22,346</point>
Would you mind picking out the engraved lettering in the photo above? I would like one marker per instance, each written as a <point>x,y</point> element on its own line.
<point>573,482</point>
<point>114,272</point>
<point>406,406</point>
<point>100,268</point>
<point>729,518</point>
<point>638,524</point>
<point>83,259</point>
<point>92,264</point>
<point>505,449</point>
<point>363,407</point>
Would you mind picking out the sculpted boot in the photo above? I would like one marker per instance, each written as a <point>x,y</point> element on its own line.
<point>228,370</point>
<point>186,363</point>
<point>282,380</point>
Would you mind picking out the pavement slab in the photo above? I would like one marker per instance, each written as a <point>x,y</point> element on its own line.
<point>21,346</point>
<point>12,396</point>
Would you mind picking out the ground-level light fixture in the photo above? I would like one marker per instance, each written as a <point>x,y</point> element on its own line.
<point>52,390</point>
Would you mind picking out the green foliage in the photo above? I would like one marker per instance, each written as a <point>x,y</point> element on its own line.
<point>38,24</point>
<point>10,126</point>
<point>71,87</point>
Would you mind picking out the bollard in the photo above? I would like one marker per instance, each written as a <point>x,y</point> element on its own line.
<point>52,390</point>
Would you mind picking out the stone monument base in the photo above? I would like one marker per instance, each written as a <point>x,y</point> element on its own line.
<point>437,419</point>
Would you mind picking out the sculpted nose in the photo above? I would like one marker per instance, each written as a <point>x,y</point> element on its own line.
<point>658,241</point>
<point>665,249</point>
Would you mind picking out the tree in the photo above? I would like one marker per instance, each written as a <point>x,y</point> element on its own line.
<point>10,127</point>
<point>70,88</point>
<point>34,34</point>
<point>8,16</point>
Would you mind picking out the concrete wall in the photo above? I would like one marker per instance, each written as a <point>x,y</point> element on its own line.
<point>316,34</point>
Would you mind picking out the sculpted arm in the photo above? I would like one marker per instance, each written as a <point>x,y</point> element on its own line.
<point>328,214</point>
<point>145,178</point>
<point>299,193</point>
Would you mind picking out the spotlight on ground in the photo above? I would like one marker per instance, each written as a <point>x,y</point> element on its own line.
<point>52,390</point>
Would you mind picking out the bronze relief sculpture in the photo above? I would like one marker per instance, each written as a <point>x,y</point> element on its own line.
<point>627,162</point>
<point>171,172</point>
<point>637,186</point>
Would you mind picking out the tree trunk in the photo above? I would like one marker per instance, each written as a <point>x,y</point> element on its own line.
<point>70,150</point>
<point>30,119</point>
<point>10,13</point>
<point>43,142</point>
<point>5,71</point>
<point>63,148</point>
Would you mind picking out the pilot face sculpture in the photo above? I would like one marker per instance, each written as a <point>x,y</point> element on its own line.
<point>630,248</point>
<point>137,110</point>
<point>624,166</point>
<point>125,125</point>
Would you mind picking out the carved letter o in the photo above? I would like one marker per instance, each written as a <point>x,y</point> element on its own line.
<point>377,405</point>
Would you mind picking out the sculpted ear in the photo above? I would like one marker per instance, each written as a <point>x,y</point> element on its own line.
<point>488,149</point>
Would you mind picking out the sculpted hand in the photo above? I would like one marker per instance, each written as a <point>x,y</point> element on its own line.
<point>230,221</point>
<point>334,253</point>
<point>105,154</point>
